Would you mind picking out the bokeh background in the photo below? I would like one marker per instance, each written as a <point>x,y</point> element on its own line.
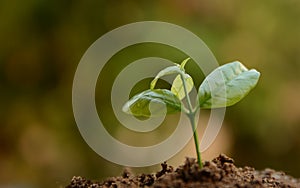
<point>42,41</point>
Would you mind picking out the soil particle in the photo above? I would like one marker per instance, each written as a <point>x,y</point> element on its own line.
<point>218,173</point>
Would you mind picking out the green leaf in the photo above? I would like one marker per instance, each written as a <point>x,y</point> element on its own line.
<point>227,85</point>
<point>184,62</point>
<point>159,98</point>
<point>167,71</point>
<point>178,88</point>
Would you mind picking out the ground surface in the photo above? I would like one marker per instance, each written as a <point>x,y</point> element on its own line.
<point>220,172</point>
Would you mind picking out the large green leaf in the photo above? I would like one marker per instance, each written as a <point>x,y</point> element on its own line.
<point>167,71</point>
<point>159,98</point>
<point>227,85</point>
<point>178,88</point>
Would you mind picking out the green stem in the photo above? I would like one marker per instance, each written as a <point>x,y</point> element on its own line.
<point>191,114</point>
<point>195,135</point>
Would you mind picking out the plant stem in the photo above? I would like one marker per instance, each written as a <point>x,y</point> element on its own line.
<point>195,135</point>
<point>191,114</point>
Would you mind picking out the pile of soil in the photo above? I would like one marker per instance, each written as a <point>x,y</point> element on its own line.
<point>220,172</point>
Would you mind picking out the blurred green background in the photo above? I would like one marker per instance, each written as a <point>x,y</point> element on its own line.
<point>42,42</point>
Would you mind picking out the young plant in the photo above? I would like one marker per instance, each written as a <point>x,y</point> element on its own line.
<point>224,86</point>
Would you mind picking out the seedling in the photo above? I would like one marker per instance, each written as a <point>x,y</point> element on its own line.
<point>224,86</point>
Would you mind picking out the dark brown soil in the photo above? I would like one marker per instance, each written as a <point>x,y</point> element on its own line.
<point>220,172</point>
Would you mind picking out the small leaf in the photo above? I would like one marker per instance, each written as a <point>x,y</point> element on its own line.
<point>139,104</point>
<point>184,62</point>
<point>227,85</point>
<point>167,71</point>
<point>177,86</point>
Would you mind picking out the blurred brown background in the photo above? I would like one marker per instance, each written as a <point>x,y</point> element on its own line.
<point>42,42</point>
